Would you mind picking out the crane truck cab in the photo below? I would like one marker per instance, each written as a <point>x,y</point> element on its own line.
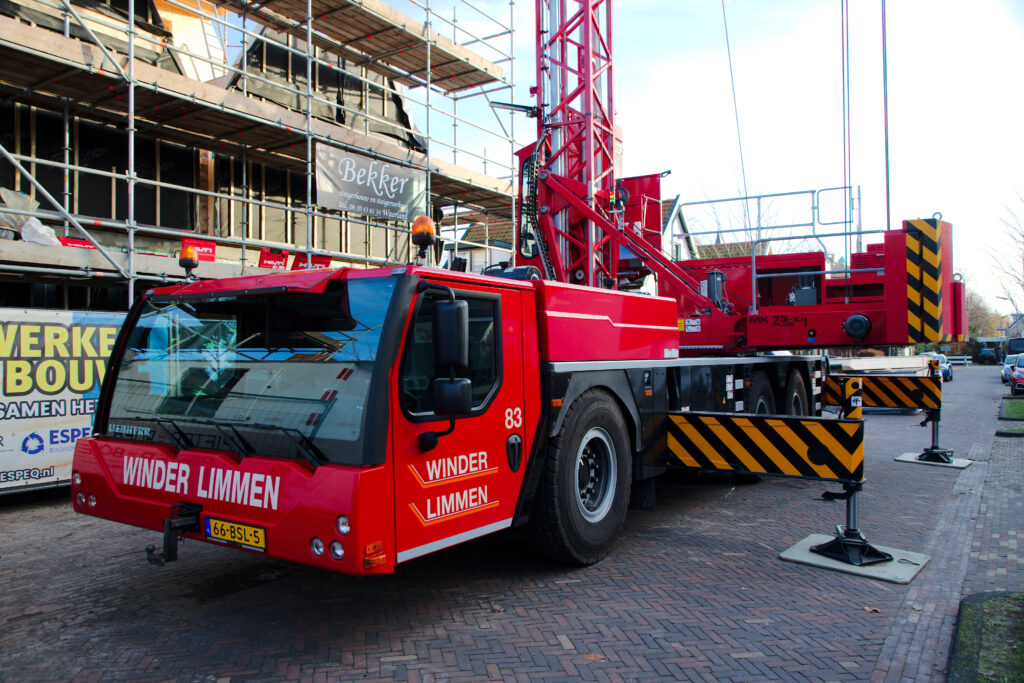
<point>355,419</point>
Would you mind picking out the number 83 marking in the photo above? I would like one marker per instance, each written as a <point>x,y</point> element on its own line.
<point>513,418</point>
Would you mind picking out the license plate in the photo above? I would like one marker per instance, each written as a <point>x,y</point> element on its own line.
<point>233,533</point>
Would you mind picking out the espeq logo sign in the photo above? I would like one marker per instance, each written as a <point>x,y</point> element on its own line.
<point>32,444</point>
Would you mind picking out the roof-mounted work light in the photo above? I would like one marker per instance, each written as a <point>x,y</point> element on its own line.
<point>423,236</point>
<point>188,259</point>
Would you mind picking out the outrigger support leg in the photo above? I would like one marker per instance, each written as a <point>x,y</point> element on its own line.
<point>935,453</point>
<point>849,545</point>
<point>184,517</point>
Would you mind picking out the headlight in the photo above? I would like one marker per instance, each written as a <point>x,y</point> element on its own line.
<point>316,546</point>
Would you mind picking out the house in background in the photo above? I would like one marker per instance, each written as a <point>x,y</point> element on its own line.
<point>482,243</point>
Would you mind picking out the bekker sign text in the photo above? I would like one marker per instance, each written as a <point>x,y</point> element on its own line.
<point>375,188</point>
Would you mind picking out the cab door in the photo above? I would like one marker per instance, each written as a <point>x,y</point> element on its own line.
<point>468,485</point>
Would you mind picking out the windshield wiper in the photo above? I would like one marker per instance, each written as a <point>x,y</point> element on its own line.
<point>242,447</point>
<point>312,452</point>
<point>179,437</point>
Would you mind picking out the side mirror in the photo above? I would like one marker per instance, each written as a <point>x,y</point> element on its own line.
<point>452,396</point>
<point>451,336</point>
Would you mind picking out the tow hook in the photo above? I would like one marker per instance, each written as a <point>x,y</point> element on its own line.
<point>184,517</point>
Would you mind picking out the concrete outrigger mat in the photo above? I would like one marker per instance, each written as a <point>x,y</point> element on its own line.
<point>902,568</point>
<point>958,463</point>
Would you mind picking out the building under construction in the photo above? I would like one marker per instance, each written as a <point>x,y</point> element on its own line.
<point>128,126</point>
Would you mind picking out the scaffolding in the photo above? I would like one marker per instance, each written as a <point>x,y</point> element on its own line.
<point>137,123</point>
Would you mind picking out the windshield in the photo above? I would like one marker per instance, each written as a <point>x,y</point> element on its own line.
<point>284,375</point>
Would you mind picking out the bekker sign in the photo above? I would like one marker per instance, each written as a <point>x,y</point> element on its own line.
<point>375,188</point>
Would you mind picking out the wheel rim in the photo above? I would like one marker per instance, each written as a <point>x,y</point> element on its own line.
<point>596,475</point>
<point>796,405</point>
<point>761,406</point>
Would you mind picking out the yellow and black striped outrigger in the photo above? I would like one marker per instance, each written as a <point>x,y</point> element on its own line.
<point>805,447</point>
<point>924,281</point>
<point>889,391</point>
<point>814,448</point>
<point>900,391</point>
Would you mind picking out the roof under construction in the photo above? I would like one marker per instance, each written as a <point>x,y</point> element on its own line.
<point>370,33</point>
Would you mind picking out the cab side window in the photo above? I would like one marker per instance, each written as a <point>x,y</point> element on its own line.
<point>417,372</point>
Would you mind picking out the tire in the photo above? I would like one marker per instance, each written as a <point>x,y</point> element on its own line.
<point>584,492</point>
<point>761,400</point>
<point>796,394</point>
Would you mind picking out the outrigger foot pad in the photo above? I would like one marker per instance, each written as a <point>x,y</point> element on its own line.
<point>184,517</point>
<point>850,546</point>
<point>942,455</point>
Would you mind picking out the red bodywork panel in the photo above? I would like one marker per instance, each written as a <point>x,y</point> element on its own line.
<point>467,487</point>
<point>582,323</point>
<point>960,320</point>
<point>299,280</point>
<point>307,502</point>
<point>778,322</point>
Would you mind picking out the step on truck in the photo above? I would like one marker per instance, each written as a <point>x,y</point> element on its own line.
<point>357,419</point>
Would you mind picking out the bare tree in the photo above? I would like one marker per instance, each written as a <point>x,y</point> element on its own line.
<point>982,321</point>
<point>1009,256</point>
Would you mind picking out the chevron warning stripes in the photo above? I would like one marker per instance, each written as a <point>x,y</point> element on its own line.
<point>804,447</point>
<point>924,281</point>
<point>890,391</point>
<point>845,392</point>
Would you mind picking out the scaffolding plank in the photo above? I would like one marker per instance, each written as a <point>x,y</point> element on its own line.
<point>378,37</point>
<point>39,67</point>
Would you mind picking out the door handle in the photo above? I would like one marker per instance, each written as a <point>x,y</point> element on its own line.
<point>514,451</point>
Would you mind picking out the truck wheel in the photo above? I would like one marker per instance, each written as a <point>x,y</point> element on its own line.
<point>796,394</point>
<point>584,493</point>
<point>761,400</point>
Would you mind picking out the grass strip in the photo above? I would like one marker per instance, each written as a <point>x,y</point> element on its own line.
<point>1015,409</point>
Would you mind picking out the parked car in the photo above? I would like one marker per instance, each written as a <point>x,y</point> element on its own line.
<point>1008,368</point>
<point>1017,376</point>
<point>987,355</point>
<point>944,366</point>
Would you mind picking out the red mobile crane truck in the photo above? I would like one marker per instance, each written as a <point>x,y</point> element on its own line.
<point>356,419</point>
<point>304,414</point>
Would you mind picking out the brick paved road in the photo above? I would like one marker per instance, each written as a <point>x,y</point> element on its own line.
<point>693,590</point>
